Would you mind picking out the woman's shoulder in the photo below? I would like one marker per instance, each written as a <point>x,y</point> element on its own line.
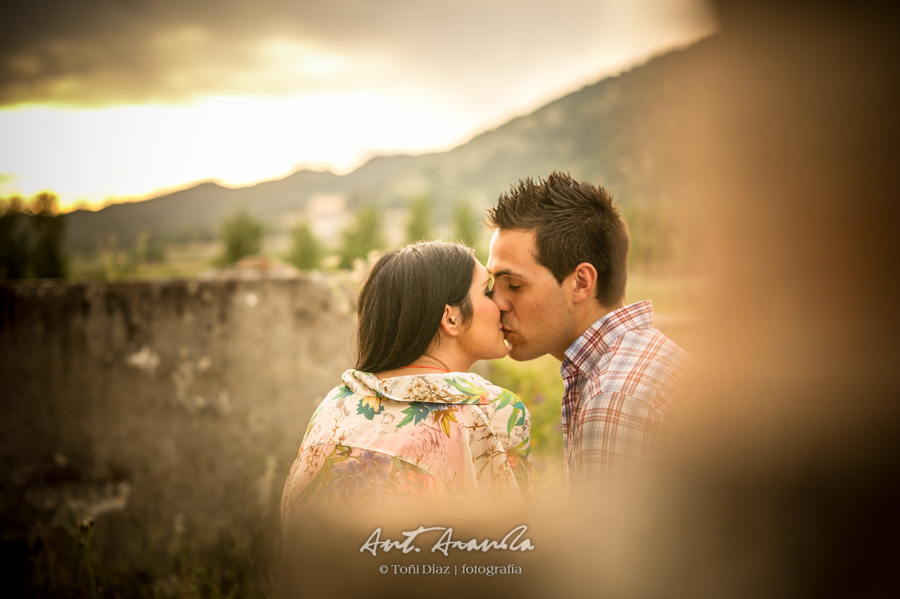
<point>333,399</point>
<point>337,393</point>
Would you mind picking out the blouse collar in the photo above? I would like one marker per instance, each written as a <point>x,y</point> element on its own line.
<point>451,387</point>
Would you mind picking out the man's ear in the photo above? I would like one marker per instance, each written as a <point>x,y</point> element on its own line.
<point>585,282</point>
<point>451,321</point>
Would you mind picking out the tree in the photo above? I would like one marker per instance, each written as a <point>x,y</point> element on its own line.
<point>306,250</point>
<point>117,260</point>
<point>31,238</point>
<point>362,236</point>
<point>465,224</point>
<point>15,239</point>
<point>148,249</point>
<point>419,226</point>
<point>47,255</point>
<point>242,235</point>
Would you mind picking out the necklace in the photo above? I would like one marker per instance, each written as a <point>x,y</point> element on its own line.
<point>429,367</point>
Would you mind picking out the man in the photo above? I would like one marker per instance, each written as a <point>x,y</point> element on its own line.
<point>559,256</point>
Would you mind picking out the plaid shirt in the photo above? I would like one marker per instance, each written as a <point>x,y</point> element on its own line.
<point>619,376</point>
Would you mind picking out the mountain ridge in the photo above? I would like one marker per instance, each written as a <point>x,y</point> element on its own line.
<point>612,132</point>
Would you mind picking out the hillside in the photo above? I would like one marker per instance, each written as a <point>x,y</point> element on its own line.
<point>614,133</point>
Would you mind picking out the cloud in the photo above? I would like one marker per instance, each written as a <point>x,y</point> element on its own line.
<point>105,52</point>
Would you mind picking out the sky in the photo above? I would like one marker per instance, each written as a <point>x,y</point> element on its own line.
<point>108,100</point>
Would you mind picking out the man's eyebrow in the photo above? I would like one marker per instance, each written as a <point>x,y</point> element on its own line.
<point>507,273</point>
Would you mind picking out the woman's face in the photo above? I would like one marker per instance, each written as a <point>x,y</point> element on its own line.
<point>482,338</point>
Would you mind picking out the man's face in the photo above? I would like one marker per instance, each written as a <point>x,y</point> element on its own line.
<point>536,312</point>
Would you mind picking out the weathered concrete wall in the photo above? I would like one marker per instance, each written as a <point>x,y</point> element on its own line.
<point>175,406</point>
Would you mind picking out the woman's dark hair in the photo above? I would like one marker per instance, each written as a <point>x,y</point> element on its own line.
<point>403,299</point>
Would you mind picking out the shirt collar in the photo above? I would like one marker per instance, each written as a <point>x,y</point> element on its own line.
<point>597,339</point>
<point>452,387</point>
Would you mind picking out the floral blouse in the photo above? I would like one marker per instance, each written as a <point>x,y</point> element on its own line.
<point>450,438</point>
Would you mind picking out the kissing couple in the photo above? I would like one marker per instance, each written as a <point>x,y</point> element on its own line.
<point>410,423</point>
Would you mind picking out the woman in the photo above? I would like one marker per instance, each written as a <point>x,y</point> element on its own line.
<point>410,422</point>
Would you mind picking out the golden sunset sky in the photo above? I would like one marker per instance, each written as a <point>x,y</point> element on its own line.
<point>103,100</point>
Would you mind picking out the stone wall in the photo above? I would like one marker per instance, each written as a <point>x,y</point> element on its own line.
<point>163,409</point>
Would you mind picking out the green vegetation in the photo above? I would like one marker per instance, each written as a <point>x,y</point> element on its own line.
<point>420,225</point>
<point>306,250</point>
<point>148,250</point>
<point>665,243</point>
<point>361,237</point>
<point>117,261</point>
<point>465,224</point>
<point>242,235</point>
<point>31,238</point>
<point>15,239</point>
<point>47,256</point>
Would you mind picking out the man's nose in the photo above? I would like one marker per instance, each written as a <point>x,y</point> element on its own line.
<point>501,301</point>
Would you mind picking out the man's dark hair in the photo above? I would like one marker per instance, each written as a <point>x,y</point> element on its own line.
<point>403,299</point>
<point>573,222</point>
